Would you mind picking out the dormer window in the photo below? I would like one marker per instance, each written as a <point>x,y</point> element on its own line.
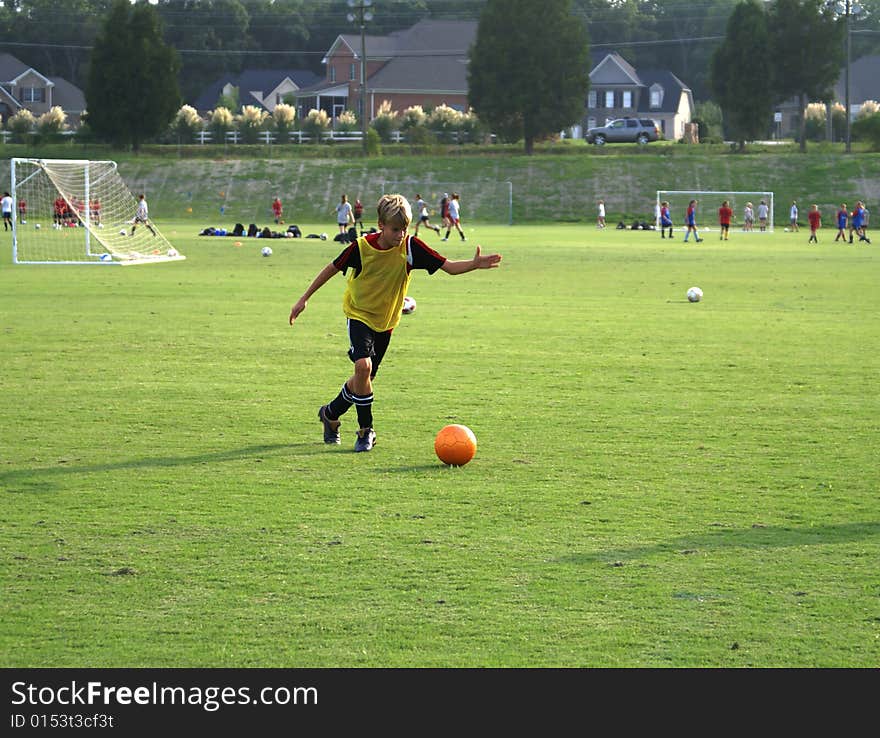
<point>656,96</point>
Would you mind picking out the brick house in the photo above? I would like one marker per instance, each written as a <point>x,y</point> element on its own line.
<point>423,65</point>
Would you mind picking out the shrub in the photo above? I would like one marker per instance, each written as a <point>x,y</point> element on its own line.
<point>316,124</point>
<point>385,121</point>
<point>283,118</point>
<point>251,121</point>
<point>346,122</point>
<point>374,143</point>
<point>445,122</point>
<point>52,122</point>
<point>708,117</point>
<point>186,124</point>
<point>472,128</point>
<point>22,125</point>
<point>867,109</point>
<point>221,121</point>
<point>867,128</point>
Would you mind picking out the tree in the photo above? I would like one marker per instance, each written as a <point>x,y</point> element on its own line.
<point>743,58</point>
<point>132,91</point>
<point>529,84</point>
<point>806,42</point>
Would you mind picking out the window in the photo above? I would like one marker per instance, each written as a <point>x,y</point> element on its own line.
<point>592,99</point>
<point>351,71</point>
<point>609,99</point>
<point>33,94</point>
<point>656,96</point>
<point>632,123</point>
<point>627,99</point>
<point>332,73</point>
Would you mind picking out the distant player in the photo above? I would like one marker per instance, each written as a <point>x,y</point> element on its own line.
<point>793,216</point>
<point>22,211</point>
<point>842,217</point>
<point>665,219</point>
<point>142,216</point>
<point>6,207</point>
<point>748,217</point>
<point>815,218</point>
<point>725,213</point>
<point>691,222</point>
<point>600,218</point>
<point>763,213</point>
<point>277,210</point>
<point>358,213</point>
<point>424,217</point>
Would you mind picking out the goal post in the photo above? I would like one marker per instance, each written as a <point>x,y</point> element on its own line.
<point>481,202</point>
<point>708,202</point>
<point>75,211</point>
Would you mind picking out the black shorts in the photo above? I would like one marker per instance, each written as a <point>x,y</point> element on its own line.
<point>364,342</point>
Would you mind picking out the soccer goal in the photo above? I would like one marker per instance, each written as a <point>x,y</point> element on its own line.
<point>484,202</point>
<point>708,202</point>
<point>72,211</point>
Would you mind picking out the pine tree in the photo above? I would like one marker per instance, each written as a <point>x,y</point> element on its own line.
<point>132,93</point>
<point>737,68</point>
<point>529,69</point>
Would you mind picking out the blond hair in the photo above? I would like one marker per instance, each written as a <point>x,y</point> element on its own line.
<point>394,210</point>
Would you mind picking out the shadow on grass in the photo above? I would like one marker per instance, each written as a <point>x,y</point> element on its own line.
<point>37,479</point>
<point>754,537</point>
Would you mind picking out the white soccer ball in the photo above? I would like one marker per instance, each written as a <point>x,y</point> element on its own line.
<point>323,236</point>
<point>172,252</point>
<point>37,226</point>
<point>409,305</point>
<point>695,294</point>
<point>122,232</point>
<point>266,251</point>
<point>100,225</point>
<point>24,222</point>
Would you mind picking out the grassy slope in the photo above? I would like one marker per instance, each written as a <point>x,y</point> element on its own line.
<point>561,184</point>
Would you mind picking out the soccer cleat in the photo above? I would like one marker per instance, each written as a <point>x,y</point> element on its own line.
<point>331,427</point>
<point>366,439</point>
<point>444,239</point>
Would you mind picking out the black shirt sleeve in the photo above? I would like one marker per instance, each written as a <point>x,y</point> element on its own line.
<point>424,257</point>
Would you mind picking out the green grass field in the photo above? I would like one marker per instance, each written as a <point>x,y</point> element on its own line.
<point>657,483</point>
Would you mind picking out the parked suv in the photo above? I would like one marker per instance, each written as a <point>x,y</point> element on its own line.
<point>624,130</point>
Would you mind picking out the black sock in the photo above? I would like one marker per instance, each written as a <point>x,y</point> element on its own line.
<point>365,415</point>
<point>340,404</point>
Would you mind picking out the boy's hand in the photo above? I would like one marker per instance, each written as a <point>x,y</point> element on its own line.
<point>489,261</point>
<point>297,309</point>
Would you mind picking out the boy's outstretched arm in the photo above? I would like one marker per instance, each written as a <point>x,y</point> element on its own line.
<point>480,261</point>
<point>318,282</point>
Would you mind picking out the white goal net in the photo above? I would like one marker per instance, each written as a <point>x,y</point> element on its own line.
<point>708,203</point>
<point>70,211</point>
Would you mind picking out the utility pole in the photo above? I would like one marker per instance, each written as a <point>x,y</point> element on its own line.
<point>362,15</point>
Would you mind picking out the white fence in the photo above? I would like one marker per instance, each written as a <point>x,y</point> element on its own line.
<point>298,137</point>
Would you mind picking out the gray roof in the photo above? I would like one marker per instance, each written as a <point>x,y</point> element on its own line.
<point>67,96</point>
<point>264,80</point>
<point>672,89</point>
<point>10,67</point>
<point>864,81</point>
<point>430,56</point>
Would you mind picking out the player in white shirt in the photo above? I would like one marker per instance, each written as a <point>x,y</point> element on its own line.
<point>6,205</point>
<point>142,216</point>
<point>424,217</point>
<point>453,210</point>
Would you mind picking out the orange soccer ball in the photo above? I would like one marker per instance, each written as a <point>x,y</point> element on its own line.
<point>455,445</point>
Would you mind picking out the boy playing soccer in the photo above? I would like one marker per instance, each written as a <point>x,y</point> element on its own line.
<point>380,267</point>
